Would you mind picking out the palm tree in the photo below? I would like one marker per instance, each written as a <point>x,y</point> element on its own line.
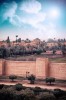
<point>16,37</point>
<point>8,40</point>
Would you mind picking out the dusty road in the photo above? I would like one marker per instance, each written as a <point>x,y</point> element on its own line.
<point>34,85</point>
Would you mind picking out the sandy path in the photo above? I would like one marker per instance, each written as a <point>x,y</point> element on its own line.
<point>34,85</point>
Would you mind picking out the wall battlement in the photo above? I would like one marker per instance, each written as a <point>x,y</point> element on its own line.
<point>41,68</point>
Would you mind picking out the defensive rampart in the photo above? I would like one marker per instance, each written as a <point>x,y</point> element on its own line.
<point>41,68</point>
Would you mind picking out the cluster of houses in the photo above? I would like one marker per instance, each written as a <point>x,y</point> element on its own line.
<point>36,42</point>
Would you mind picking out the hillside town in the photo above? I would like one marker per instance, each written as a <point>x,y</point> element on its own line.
<point>39,79</point>
<point>32,49</point>
<point>20,47</point>
<point>35,42</point>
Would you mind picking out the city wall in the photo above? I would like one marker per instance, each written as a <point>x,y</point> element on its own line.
<point>1,66</point>
<point>57,70</point>
<point>41,68</point>
<point>20,68</point>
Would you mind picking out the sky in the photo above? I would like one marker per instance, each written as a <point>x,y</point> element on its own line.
<point>32,19</point>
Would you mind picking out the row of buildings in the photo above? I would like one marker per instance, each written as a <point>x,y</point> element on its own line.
<point>35,42</point>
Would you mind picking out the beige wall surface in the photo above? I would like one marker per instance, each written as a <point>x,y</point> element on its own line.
<point>1,67</point>
<point>41,68</point>
<point>20,67</point>
<point>57,70</point>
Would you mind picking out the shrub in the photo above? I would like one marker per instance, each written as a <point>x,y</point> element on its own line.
<point>6,94</point>
<point>10,94</point>
<point>18,96</point>
<point>50,80</point>
<point>18,87</point>
<point>62,98</point>
<point>37,90</point>
<point>38,52</point>
<point>1,86</point>
<point>12,77</point>
<point>46,90</point>
<point>5,87</point>
<point>58,93</point>
<point>31,78</point>
<point>54,51</point>
<point>46,96</point>
<point>28,94</point>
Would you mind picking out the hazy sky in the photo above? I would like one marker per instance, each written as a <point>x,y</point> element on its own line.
<point>32,19</point>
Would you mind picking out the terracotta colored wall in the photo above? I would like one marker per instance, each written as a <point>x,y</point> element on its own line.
<point>57,70</point>
<point>1,67</point>
<point>41,67</point>
<point>20,67</point>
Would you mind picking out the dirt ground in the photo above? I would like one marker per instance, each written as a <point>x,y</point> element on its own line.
<point>53,58</point>
<point>35,85</point>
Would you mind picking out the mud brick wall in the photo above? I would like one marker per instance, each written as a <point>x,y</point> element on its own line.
<point>57,70</point>
<point>41,68</point>
<point>20,68</point>
<point>1,65</point>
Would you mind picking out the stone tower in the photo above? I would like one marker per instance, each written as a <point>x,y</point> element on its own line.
<point>42,67</point>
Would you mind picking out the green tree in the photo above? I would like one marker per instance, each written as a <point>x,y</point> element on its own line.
<point>54,51</point>
<point>3,52</point>
<point>19,40</point>
<point>31,78</point>
<point>64,50</point>
<point>18,87</point>
<point>16,37</point>
<point>50,80</point>
<point>8,40</point>
<point>12,77</point>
